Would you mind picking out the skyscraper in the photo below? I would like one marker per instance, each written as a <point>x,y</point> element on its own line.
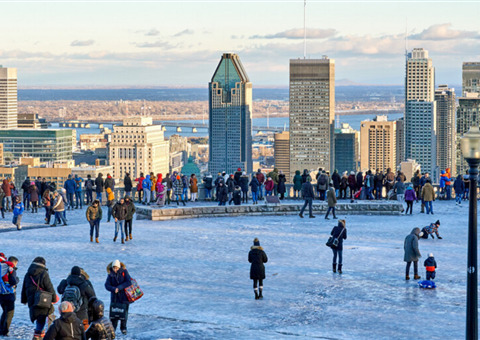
<point>446,132</point>
<point>282,153</point>
<point>8,98</point>
<point>312,113</point>
<point>230,120</point>
<point>400,140</point>
<point>378,144</point>
<point>420,111</point>
<point>470,77</point>
<point>468,115</point>
<point>347,155</point>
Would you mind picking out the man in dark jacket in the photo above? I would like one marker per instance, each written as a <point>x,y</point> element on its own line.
<point>117,280</point>
<point>378,181</point>
<point>308,195</point>
<point>101,328</point>
<point>243,182</point>
<point>127,183</point>
<point>26,198</point>
<point>67,327</point>
<point>75,283</point>
<point>237,175</point>
<point>257,258</point>
<point>109,182</point>
<point>70,186</point>
<point>261,181</point>
<point>37,278</point>
<point>412,253</point>
<point>7,300</point>
<point>129,218</point>
<point>89,184</point>
<point>459,187</point>
<point>336,182</point>
<point>222,193</point>
<point>208,185</point>
<point>119,213</point>
<point>99,187</point>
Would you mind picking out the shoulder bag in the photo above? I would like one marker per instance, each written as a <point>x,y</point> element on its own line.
<point>333,241</point>
<point>43,299</point>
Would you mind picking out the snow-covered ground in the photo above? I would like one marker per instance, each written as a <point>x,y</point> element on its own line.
<point>195,275</point>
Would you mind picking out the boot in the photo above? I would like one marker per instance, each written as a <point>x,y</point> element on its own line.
<point>126,238</point>
<point>301,215</point>
<point>417,277</point>
<point>115,239</point>
<point>91,238</point>
<point>123,242</point>
<point>260,296</point>
<point>256,294</point>
<point>334,266</point>
<point>407,277</point>
<point>339,268</point>
<point>130,236</point>
<point>311,216</point>
<point>96,240</point>
<point>423,209</point>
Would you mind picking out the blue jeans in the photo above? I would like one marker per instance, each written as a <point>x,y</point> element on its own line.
<point>16,220</point>
<point>254,196</point>
<point>59,217</point>
<point>340,255</point>
<point>378,193</point>
<point>268,193</point>
<point>40,324</point>
<point>449,192</point>
<point>309,202</point>
<point>146,196</point>
<point>70,199</point>
<point>119,225</point>
<point>95,225</point>
<point>26,200</point>
<point>336,192</point>
<point>99,197</point>
<point>332,209</point>
<point>465,193</point>
<point>185,194</point>
<point>429,207</point>
<point>109,212</point>
<point>89,196</point>
<point>128,193</point>
<point>208,193</point>
<point>78,199</point>
<point>260,191</point>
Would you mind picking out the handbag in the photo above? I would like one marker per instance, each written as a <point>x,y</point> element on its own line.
<point>43,299</point>
<point>133,292</point>
<point>118,310</point>
<point>332,242</point>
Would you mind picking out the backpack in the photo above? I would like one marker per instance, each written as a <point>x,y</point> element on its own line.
<point>4,287</point>
<point>89,184</point>
<point>322,180</point>
<point>73,295</point>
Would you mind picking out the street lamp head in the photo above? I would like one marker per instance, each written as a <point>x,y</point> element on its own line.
<point>470,144</point>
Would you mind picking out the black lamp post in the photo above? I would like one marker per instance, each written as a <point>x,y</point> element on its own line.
<point>470,146</point>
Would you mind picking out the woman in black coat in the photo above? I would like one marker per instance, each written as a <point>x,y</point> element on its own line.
<point>222,193</point>
<point>281,185</point>
<point>257,258</point>
<point>37,276</point>
<point>117,280</point>
<point>340,232</point>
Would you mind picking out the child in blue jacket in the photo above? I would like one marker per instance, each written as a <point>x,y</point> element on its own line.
<point>430,266</point>
<point>18,212</point>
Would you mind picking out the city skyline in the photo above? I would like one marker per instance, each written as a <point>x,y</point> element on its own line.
<point>160,43</point>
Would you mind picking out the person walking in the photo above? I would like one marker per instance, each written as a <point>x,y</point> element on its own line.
<point>308,195</point>
<point>119,213</point>
<point>428,196</point>
<point>89,184</point>
<point>409,198</point>
<point>47,201</point>
<point>8,288</point>
<point>8,195</point>
<point>100,328</point>
<point>76,290</point>
<point>117,280</point>
<point>99,185</point>
<point>37,278</point>
<point>257,257</point>
<point>128,185</point>
<point>18,213</point>
<point>68,326</point>
<point>412,253</point>
<point>193,188</point>
<point>58,208</point>
<point>339,233</point>
<point>94,216</point>
<point>129,218</point>
<point>332,201</point>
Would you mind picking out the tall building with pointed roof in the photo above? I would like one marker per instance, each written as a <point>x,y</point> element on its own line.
<point>230,117</point>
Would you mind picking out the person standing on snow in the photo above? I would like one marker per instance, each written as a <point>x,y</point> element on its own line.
<point>68,326</point>
<point>339,232</point>
<point>257,257</point>
<point>101,328</point>
<point>332,201</point>
<point>412,253</point>
<point>94,216</point>
<point>129,218</point>
<point>18,212</point>
<point>8,296</point>
<point>117,280</point>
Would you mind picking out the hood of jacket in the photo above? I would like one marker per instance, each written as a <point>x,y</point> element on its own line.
<point>256,247</point>
<point>98,308</point>
<point>69,317</point>
<point>415,231</point>
<point>75,280</point>
<point>109,267</point>
<point>36,269</point>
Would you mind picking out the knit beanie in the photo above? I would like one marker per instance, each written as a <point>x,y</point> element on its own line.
<point>256,242</point>
<point>76,271</point>
<point>65,307</point>
<point>116,263</point>
<point>438,222</point>
<point>430,255</point>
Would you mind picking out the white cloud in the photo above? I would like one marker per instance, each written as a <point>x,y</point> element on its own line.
<point>153,32</point>
<point>184,32</point>
<point>297,33</point>
<point>444,32</point>
<point>82,43</point>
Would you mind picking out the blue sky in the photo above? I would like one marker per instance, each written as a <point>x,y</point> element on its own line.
<point>180,43</point>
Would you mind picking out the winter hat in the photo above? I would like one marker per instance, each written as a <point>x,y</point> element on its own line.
<point>430,255</point>
<point>352,172</point>
<point>244,173</point>
<point>178,177</point>
<point>65,307</point>
<point>239,169</point>
<point>438,222</point>
<point>116,263</point>
<point>76,271</point>
<point>256,242</point>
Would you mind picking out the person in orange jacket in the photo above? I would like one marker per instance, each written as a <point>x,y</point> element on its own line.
<point>448,183</point>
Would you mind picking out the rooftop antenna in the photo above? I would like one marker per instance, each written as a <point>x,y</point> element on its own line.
<point>304,30</point>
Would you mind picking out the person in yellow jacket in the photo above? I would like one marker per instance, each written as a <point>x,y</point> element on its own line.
<point>153,195</point>
<point>110,202</point>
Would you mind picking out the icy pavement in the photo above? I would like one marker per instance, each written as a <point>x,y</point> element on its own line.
<point>195,276</point>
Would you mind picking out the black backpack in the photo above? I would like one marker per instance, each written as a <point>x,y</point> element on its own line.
<point>73,295</point>
<point>322,180</point>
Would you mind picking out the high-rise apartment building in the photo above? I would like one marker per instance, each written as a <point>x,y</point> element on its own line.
<point>378,144</point>
<point>470,77</point>
<point>400,140</point>
<point>282,153</point>
<point>420,111</point>
<point>312,114</point>
<point>347,152</point>
<point>230,119</point>
<point>138,146</point>
<point>468,115</point>
<point>446,132</point>
<point>8,98</point>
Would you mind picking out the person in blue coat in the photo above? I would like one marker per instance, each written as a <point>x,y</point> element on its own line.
<point>339,232</point>
<point>117,280</point>
<point>18,212</point>
<point>78,192</point>
<point>147,187</point>
<point>70,187</point>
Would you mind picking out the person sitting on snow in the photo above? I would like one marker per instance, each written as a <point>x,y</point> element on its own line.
<point>430,266</point>
<point>431,229</point>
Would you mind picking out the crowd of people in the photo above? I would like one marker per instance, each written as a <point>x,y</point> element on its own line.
<point>82,315</point>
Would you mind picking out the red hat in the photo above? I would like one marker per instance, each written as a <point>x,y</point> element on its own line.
<point>178,177</point>
<point>239,169</point>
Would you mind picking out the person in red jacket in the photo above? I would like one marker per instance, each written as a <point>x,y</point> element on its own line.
<point>261,179</point>
<point>7,189</point>
<point>269,186</point>
<point>139,181</point>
